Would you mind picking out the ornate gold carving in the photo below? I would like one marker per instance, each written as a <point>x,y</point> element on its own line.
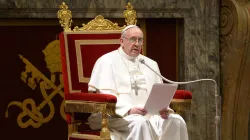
<point>99,23</point>
<point>89,107</point>
<point>65,17</point>
<point>32,76</point>
<point>105,133</point>
<point>130,15</point>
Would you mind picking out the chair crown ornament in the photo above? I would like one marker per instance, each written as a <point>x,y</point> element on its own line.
<point>65,17</point>
<point>130,15</point>
<point>98,23</point>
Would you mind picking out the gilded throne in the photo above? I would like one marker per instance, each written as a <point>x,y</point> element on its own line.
<point>80,48</point>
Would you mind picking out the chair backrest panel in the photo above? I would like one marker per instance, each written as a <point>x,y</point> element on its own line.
<point>90,53</point>
<point>81,50</point>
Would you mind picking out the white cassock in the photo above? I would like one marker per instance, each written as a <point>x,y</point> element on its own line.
<point>118,74</point>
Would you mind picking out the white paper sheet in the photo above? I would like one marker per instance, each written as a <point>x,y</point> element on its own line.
<point>160,97</point>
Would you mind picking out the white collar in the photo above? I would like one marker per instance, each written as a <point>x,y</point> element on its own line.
<point>123,54</point>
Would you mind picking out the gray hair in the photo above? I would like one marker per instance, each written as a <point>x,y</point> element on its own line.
<point>128,27</point>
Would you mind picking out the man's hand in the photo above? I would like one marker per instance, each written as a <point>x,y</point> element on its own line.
<point>137,110</point>
<point>165,112</point>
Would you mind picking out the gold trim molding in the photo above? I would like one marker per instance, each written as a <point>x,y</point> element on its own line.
<point>89,107</point>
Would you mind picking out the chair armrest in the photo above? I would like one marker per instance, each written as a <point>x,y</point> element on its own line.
<point>181,102</point>
<point>90,103</point>
<point>183,94</point>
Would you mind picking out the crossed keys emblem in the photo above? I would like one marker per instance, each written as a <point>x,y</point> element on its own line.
<point>35,79</point>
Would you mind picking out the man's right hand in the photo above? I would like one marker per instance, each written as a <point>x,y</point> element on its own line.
<point>137,110</point>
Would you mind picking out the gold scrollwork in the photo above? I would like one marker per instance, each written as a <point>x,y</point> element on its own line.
<point>99,23</point>
<point>65,17</point>
<point>32,76</point>
<point>130,15</point>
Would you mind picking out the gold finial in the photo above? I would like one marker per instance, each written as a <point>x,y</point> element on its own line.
<point>65,17</point>
<point>99,23</point>
<point>130,15</point>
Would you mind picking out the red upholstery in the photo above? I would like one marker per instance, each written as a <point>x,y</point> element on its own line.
<point>91,97</point>
<point>183,94</point>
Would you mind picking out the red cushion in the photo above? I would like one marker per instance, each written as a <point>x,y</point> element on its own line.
<point>183,94</point>
<point>95,97</point>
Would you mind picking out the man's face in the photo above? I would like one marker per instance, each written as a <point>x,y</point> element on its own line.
<point>132,42</point>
